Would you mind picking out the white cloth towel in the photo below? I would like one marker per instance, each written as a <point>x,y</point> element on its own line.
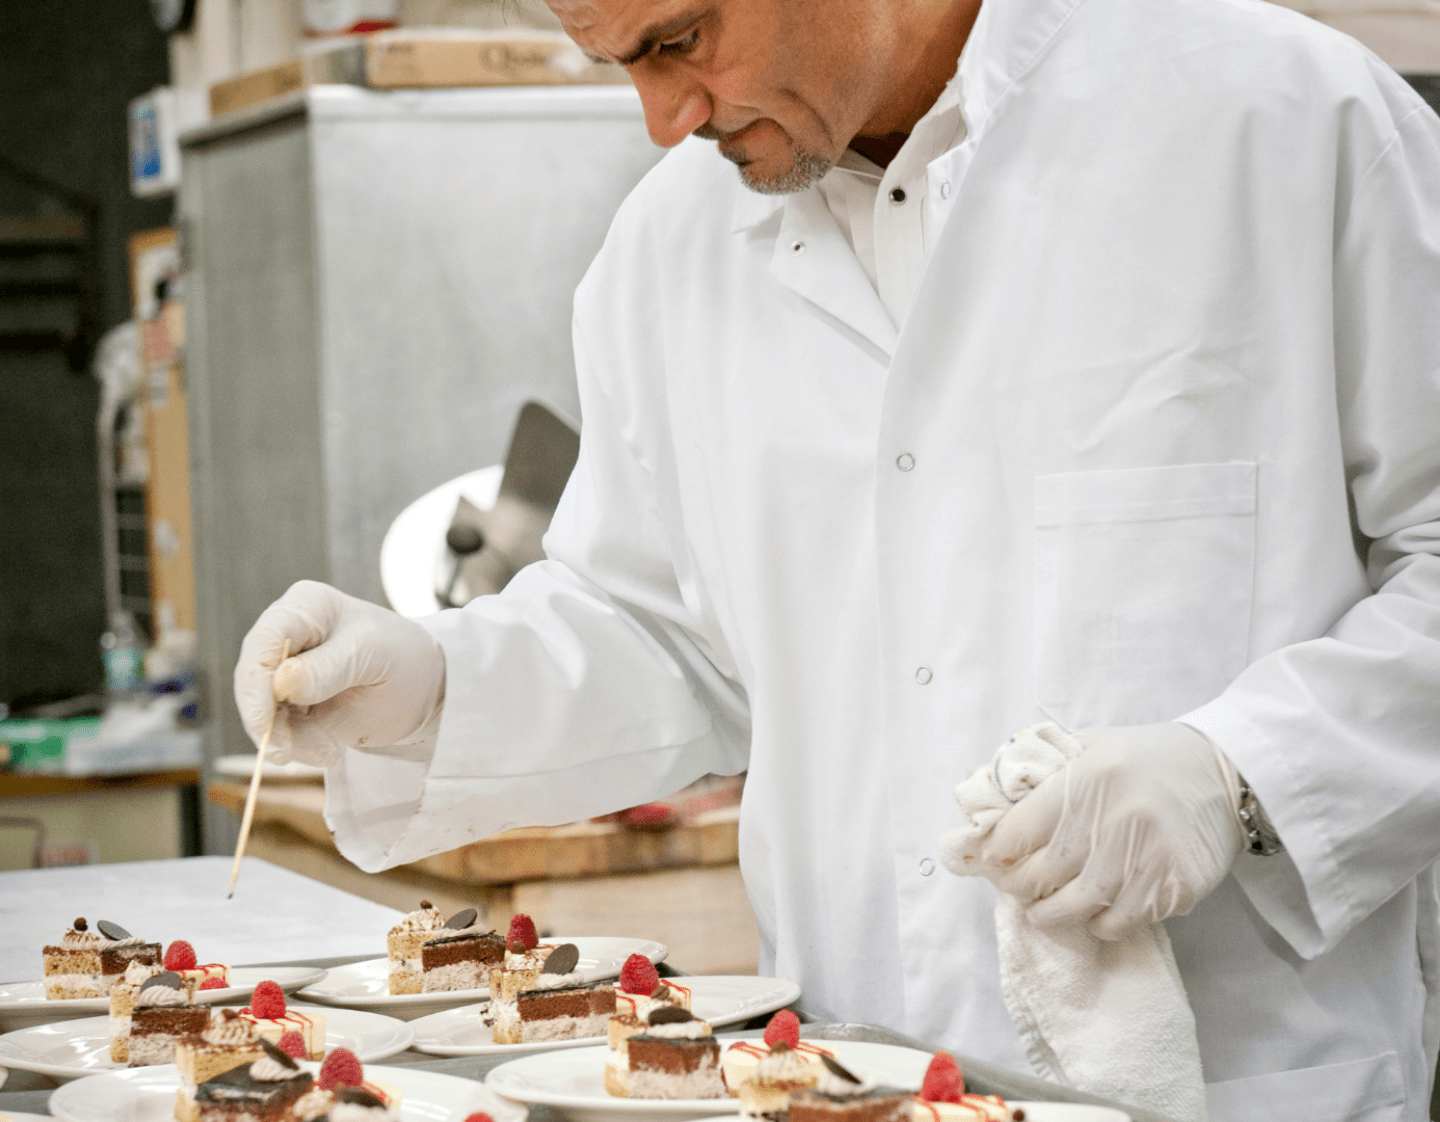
<point>1111,1019</point>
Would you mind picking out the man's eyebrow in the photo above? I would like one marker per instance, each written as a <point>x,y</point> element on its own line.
<point>653,35</point>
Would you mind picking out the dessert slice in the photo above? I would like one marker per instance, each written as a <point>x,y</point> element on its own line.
<point>842,1096</point>
<point>150,1016</point>
<point>180,957</point>
<point>87,963</point>
<point>273,1020</point>
<point>781,1073</point>
<point>559,1005</point>
<point>638,993</point>
<point>264,1090</point>
<point>741,1059</point>
<point>341,1089</point>
<point>943,1098</point>
<point>674,1057</point>
<point>524,959</point>
<point>459,955</point>
<point>403,945</point>
<point>227,1041</point>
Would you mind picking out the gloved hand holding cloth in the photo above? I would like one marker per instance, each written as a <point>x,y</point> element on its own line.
<point>360,676</point>
<point>1092,839</point>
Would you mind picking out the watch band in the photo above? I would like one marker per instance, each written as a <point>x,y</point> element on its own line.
<point>1260,835</point>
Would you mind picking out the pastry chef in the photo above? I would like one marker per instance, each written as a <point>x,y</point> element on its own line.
<point>964,367</point>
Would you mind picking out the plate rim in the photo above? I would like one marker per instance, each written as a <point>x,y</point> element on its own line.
<point>637,1106</point>
<point>382,1072</point>
<point>463,1050</point>
<point>102,1004</point>
<point>70,1074</point>
<point>437,997</point>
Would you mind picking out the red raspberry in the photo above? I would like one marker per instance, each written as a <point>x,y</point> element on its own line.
<point>293,1044</point>
<point>639,975</point>
<point>269,1002</point>
<point>522,930</point>
<point>943,1081</point>
<point>478,1116</point>
<point>340,1067</point>
<point>213,983</point>
<point>785,1026</point>
<point>180,955</point>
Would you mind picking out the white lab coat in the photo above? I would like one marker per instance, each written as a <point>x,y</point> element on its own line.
<point>1174,361</point>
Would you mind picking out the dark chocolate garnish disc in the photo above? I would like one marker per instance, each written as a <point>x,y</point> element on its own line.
<point>112,930</point>
<point>461,919</point>
<point>80,924</point>
<point>426,904</point>
<point>285,1059</point>
<point>837,1068</point>
<point>562,960</point>
<point>670,1015</point>
<point>167,978</point>
<point>357,1095</point>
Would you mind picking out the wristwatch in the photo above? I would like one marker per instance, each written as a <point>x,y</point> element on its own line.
<point>1259,833</point>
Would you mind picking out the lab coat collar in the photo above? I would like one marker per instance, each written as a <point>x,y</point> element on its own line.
<point>813,259</point>
<point>1007,39</point>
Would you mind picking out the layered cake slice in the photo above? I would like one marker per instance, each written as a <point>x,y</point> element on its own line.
<point>88,963</point>
<point>227,1041</point>
<point>403,945</point>
<point>341,1092</point>
<point>943,1098</point>
<point>741,1059</point>
<point>459,955</point>
<point>638,993</point>
<point>263,1090</point>
<point>558,1005</point>
<point>674,1057</point>
<point>150,1009</point>
<point>781,1073</point>
<point>842,1096</point>
<point>273,1020</point>
<point>523,960</point>
<point>180,957</point>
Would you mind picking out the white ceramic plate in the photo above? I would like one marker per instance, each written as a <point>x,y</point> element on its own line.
<point>16,1116</point>
<point>730,999</point>
<point>573,1082</point>
<point>23,1004</point>
<point>242,766</point>
<point>1034,1112</point>
<point>365,985</point>
<point>147,1094</point>
<point>72,1049</point>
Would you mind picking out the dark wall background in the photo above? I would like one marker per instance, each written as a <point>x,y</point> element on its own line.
<point>68,68</point>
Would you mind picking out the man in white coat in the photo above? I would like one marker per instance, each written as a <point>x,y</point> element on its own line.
<point>1094,379</point>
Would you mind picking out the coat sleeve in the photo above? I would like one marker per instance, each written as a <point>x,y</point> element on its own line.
<point>593,682</point>
<point>1340,736</point>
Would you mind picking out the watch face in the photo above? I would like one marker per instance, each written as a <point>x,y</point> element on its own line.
<point>172,15</point>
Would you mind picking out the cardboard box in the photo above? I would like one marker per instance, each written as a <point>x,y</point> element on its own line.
<point>459,57</point>
<point>342,63</point>
<point>424,59</point>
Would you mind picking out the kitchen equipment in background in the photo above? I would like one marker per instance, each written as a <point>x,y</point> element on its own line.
<point>470,535</point>
<point>412,257</point>
<point>485,548</point>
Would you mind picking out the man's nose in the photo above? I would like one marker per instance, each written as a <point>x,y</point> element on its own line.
<point>674,106</point>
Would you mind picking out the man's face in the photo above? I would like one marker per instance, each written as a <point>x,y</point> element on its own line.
<point>781,85</point>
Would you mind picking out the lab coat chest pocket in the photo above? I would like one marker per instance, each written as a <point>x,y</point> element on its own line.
<point>1370,1090</point>
<point>1143,582</point>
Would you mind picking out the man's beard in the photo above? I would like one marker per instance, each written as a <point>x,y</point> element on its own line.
<point>806,168</point>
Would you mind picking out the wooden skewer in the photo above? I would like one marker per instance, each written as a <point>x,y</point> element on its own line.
<point>249,816</point>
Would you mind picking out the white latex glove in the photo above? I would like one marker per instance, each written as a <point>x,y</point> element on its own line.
<point>1142,825</point>
<point>358,675</point>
